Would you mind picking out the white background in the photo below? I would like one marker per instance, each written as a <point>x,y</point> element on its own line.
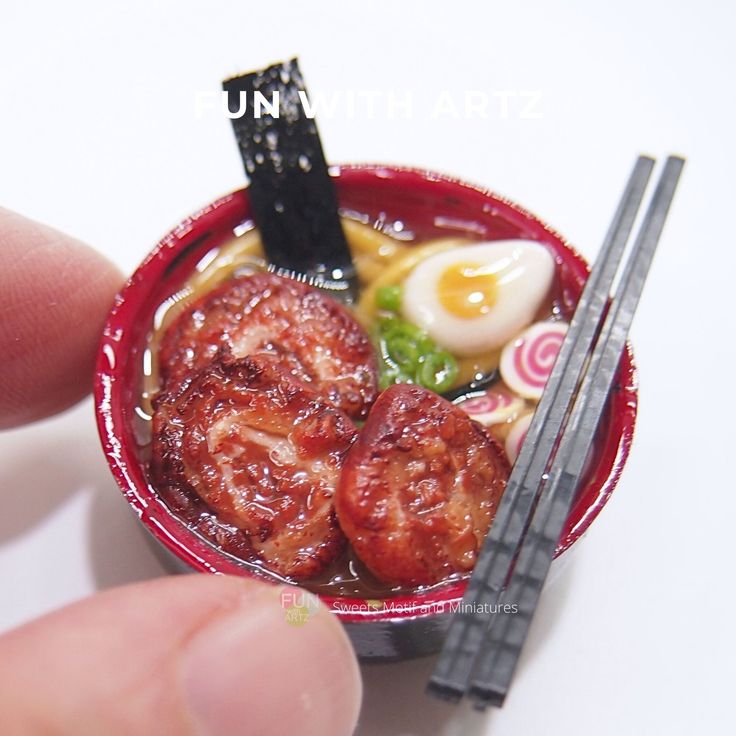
<point>99,137</point>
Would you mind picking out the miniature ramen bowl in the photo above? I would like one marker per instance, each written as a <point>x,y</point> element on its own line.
<point>405,200</point>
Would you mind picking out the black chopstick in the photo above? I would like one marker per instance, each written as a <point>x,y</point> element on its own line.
<point>497,660</point>
<point>456,661</point>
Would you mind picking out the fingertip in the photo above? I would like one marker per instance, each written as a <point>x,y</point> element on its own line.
<point>54,295</point>
<point>195,655</point>
<point>300,672</point>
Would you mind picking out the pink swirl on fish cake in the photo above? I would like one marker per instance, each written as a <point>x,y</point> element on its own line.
<point>493,407</point>
<point>527,361</point>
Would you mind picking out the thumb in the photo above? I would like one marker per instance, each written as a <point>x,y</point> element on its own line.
<point>192,655</point>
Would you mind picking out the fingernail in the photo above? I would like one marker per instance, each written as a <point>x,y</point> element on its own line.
<point>272,667</point>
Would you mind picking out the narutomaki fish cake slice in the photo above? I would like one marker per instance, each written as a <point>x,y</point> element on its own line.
<point>317,340</point>
<point>419,488</point>
<point>264,452</point>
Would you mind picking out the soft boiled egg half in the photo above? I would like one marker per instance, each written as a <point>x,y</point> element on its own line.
<point>476,298</point>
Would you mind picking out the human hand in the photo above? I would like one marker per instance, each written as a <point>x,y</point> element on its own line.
<point>186,655</point>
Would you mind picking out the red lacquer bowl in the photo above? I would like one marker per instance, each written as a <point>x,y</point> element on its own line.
<point>427,204</point>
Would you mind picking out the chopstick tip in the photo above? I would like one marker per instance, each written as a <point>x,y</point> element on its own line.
<point>483,697</point>
<point>443,690</point>
<point>675,158</point>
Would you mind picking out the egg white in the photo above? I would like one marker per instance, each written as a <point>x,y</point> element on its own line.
<point>524,270</point>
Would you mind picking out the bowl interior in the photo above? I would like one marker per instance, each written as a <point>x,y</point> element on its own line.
<point>407,202</point>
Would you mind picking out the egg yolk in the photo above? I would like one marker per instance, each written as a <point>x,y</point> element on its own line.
<point>467,290</point>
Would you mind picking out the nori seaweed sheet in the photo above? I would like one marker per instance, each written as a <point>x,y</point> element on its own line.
<point>292,194</point>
